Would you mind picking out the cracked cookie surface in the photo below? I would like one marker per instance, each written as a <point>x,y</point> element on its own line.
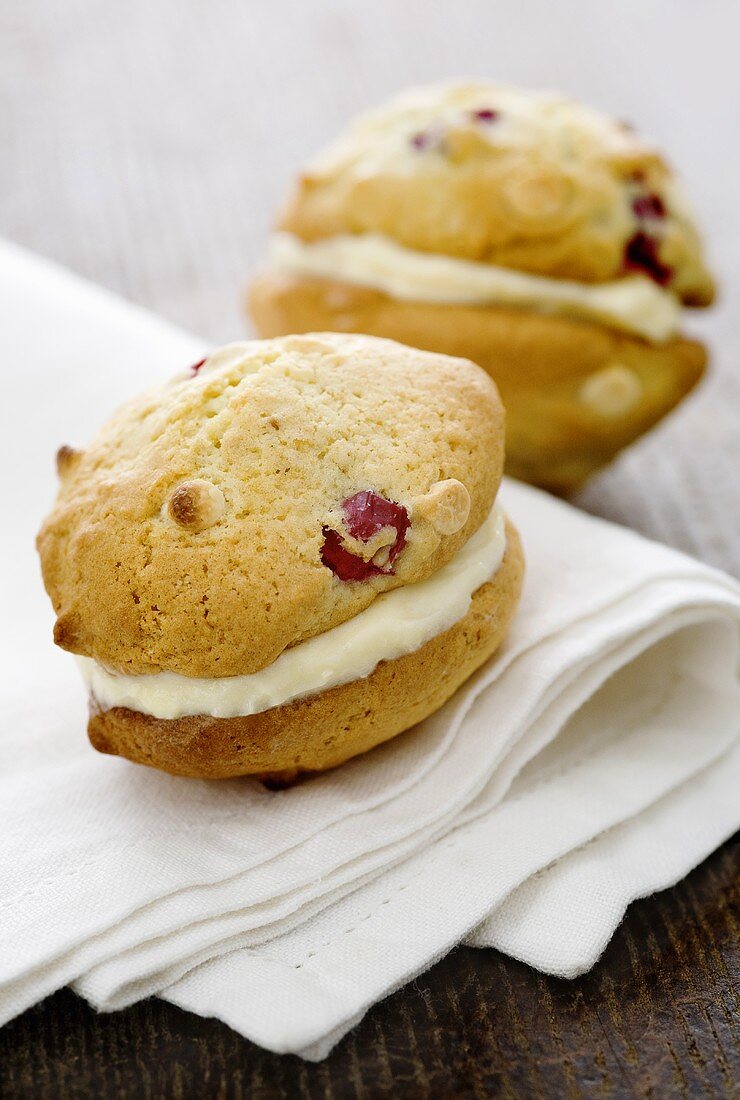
<point>528,180</point>
<point>188,535</point>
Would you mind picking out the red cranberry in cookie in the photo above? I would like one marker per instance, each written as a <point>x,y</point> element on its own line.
<point>485,114</point>
<point>641,254</point>
<point>421,140</point>
<point>365,515</point>
<point>648,206</point>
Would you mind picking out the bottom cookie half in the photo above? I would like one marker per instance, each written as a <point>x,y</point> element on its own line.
<point>323,730</point>
<point>575,392</point>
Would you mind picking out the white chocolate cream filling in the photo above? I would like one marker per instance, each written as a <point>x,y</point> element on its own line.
<point>633,304</point>
<point>396,623</point>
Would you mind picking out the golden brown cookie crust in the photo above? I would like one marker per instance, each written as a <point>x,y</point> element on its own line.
<point>490,173</point>
<point>542,365</point>
<point>188,535</point>
<point>324,730</point>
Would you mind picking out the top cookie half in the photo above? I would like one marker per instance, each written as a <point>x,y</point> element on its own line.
<point>520,179</point>
<point>265,496</point>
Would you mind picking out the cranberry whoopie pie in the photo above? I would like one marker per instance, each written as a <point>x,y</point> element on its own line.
<point>531,234</point>
<point>285,556</point>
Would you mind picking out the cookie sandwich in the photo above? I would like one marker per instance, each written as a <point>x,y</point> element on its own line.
<point>286,555</point>
<point>537,237</point>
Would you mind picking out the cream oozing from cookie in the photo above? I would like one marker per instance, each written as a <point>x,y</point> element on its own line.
<point>395,624</point>
<point>633,304</point>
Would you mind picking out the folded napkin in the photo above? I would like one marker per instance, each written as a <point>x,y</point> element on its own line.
<point>594,760</point>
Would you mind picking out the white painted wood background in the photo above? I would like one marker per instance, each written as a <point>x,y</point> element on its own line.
<point>145,144</point>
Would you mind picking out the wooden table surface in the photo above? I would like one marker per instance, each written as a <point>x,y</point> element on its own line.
<point>146,145</point>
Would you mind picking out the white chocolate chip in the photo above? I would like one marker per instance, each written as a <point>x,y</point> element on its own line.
<point>539,195</point>
<point>446,506</point>
<point>67,459</point>
<point>196,505</point>
<point>611,392</point>
<point>337,297</point>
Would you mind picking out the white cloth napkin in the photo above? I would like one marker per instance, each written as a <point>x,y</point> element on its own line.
<point>596,759</point>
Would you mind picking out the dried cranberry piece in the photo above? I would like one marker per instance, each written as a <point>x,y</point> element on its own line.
<point>421,140</point>
<point>485,114</point>
<point>196,366</point>
<point>365,514</point>
<point>648,206</point>
<point>433,140</point>
<point>641,254</point>
<point>346,566</point>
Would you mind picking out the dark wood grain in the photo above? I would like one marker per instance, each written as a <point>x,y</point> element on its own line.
<point>658,1017</point>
